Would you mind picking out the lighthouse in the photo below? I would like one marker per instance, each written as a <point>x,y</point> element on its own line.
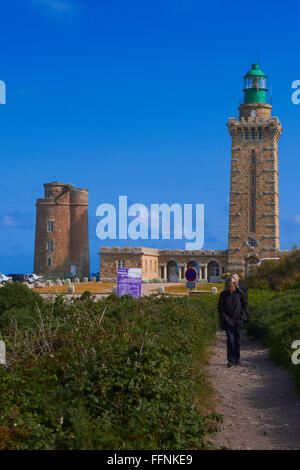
<point>253,206</point>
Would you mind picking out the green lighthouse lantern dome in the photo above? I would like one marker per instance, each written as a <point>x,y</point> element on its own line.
<point>255,85</point>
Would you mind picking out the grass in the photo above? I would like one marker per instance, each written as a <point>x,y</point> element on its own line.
<point>102,288</point>
<point>92,287</point>
<point>181,289</point>
<point>207,399</point>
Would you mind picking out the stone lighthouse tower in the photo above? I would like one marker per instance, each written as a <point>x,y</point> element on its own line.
<point>253,210</point>
<point>62,236</point>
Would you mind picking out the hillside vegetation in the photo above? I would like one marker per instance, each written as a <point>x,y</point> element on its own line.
<point>277,275</point>
<point>274,303</point>
<point>120,373</point>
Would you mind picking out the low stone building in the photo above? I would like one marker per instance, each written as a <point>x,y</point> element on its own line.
<point>165,265</point>
<point>113,258</point>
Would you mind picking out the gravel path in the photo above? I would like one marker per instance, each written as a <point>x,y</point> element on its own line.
<point>258,400</point>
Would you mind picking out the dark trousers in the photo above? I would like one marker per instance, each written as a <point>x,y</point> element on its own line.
<point>233,344</point>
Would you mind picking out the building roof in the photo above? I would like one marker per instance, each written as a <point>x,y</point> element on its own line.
<point>255,71</point>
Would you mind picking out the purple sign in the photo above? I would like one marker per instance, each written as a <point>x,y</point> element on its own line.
<point>129,282</point>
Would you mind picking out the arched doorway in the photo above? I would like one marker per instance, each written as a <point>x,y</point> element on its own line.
<point>214,272</point>
<point>251,264</point>
<point>172,274</point>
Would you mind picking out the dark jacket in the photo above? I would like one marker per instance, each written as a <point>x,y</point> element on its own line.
<point>233,309</point>
<point>243,288</point>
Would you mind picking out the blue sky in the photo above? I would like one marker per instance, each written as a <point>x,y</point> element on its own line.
<point>131,98</point>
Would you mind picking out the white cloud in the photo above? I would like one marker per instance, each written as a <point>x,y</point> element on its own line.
<point>12,218</point>
<point>8,221</point>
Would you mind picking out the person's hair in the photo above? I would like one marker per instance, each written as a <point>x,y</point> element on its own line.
<point>228,280</point>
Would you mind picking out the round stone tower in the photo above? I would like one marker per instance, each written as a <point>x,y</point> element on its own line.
<point>79,236</point>
<point>62,237</point>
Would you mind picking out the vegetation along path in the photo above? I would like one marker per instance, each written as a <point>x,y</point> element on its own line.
<point>258,400</point>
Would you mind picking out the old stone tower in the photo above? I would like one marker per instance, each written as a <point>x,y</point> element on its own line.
<point>62,237</point>
<point>253,210</point>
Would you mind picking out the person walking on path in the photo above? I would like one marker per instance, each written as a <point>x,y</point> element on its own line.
<point>233,312</point>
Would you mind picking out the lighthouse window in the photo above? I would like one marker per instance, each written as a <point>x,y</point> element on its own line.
<point>253,157</point>
<point>252,201</point>
<point>252,179</point>
<point>252,242</point>
<point>246,134</point>
<point>262,83</point>
<point>50,246</point>
<point>49,262</point>
<point>252,133</point>
<point>260,133</point>
<point>121,263</point>
<point>252,223</point>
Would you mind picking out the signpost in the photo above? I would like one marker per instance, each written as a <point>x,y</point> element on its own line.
<point>191,276</point>
<point>129,282</point>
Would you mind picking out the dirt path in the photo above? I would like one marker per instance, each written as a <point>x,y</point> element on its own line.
<point>258,401</point>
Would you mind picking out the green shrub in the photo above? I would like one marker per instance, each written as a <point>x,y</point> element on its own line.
<point>17,303</point>
<point>114,374</point>
<point>275,320</point>
<point>277,275</point>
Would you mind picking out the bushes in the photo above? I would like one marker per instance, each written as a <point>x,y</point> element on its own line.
<point>277,275</point>
<point>274,303</point>
<point>115,374</point>
<point>275,320</point>
<point>17,303</point>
